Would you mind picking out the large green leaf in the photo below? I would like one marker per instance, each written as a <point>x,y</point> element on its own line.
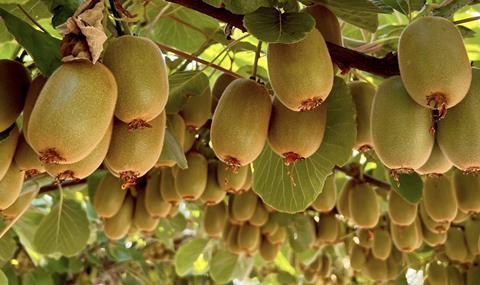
<point>64,230</point>
<point>293,188</point>
<point>187,254</point>
<point>409,186</point>
<point>172,150</point>
<point>37,277</point>
<point>245,7</point>
<point>26,226</point>
<point>403,6</point>
<point>62,10</point>
<point>301,233</point>
<point>183,85</point>
<point>222,266</point>
<point>450,9</point>
<point>7,247</point>
<point>3,278</point>
<point>44,49</point>
<point>270,25</point>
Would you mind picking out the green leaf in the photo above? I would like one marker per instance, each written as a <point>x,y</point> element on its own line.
<point>7,247</point>
<point>245,7</point>
<point>403,6</point>
<point>293,188</point>
<point>270,25</point>
<point>222,266</point>
<point>37,277</point>
<point>44,49</point>
<point>410,186</point>
<point>450,9</point>
<point>62,10</point>
<point>26,226</point>
<point>3,278</point>
<point>92,182</point>
<point>183,85</point>
<point>172,150</point>
<point>301,233</point>
<point>64,230</point>
<point>187,254</point>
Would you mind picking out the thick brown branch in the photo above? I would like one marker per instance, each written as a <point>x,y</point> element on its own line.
<point>352,172</point>
<point>344,58</point>
<point>53,187</point>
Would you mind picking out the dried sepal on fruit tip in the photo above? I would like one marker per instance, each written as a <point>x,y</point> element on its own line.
<point>51,156</point>
<point>129,179</point>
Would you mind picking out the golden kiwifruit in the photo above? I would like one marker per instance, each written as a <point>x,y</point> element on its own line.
<point>460,217</point>
<point>243,206</point>
<point>213,193</point>
<point>20,205</point>
<point>260,216</point>
<point>394,113</point>
<point>437,274</point>
<point>433,62</point>
<point>454,275</point>
<point>133,153</point>
<point>405,238</point>
<point>222,81</point>
<point>457,134</point>
<point>270,227</point>
<point>456,245</point>
<point>268,250</point>
<point>248,237</point>
<point>167,187</point>
<point>214,219</point>
<point>31,99</point>
<point>11,185</point>
<point>433,226</point>
<point>439,198</point>
<point>342,204</point>
<point>142,80</point>
<point>197,110</point>
<point>437,163</point>
<point>327,228</point>
<point>155,205</point>
<point>326,22</point>
<point>472,235</point>
<point>176,125</point>
<point>382,244</point>
<point>432,238</point>
<point>279,236</point>
<point>191,182</point>
<point>109,196</point>
<point>325,201</point>
<point>141,217</point>
<point>240,122</point>
<point>7,148</point>
<point>301,81</point>
<point>363,206</point>
<point>118,225</point>
<point>232,240</point>
<point>466,189</point>
<point>296,135</point>
<point>365,238</point>
<point>231,180</point>
<point>84,92</point>
<point>358,257</point>
<point>26,158</point>
<point>401,211</point>
<point>14,83</point>
<point>375,269</point>
<point>84,167</point>
<point>363,94</point>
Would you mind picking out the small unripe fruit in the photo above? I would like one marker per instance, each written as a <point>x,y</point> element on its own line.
<point>248,237</point>
<point>232,180</point>
<point>456,246</point>
<point>437,274</point>
<point>155,205</point>
<point>118,226</point>
<point>326,22</point>
<point>401,211</point>
<point>268,250</point>
<point>343,206</point>
<point>141,218</point>
<point>279,236</point>
<point>358,257</point>
<point>270,227</point>
<point>327,228</point>
<point>197,110</point>
<point>363,206</point>
<point>191,182</point>
<point>20,205</point>
<point>472,235</point>
<point>109,196</point>
<point>437,163</point>
<point>167,187</point>
<point>430,224</point>
<point>223,80</point>
<point>213,193</point>
<point>438,190</point>
<point>433,239</point>
<point>375,269</point>
<point>382,244</point>
<point>405,238</point>
<point>243,206</point>
<point>466,189</point>
<point>215,219</point>
<point>260,216</point>
<point>325,201</point>
<point>10,186</point>
<point>363,94</point>
<point>32,96</point>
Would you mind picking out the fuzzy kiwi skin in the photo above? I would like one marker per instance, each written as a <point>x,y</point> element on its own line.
<point>405,238</point>
<point>270,227</point>
<point>342,204</point>
<point>109,196</point>
<point>431,238</point>
<point>155,205</point>
<point>382,244</point>
<point>460,217</point>
<point>232,240</point>
<point>240,122</point>
<point>14,83</point>
<point>327,23</point>
<point>19,206</point>
<point>363,206</point>
<point>141,217</point>
<point>433,60</point>
<point>279,236</point>
<point>400,127</point>
<point>84,167</point>
<point>213,193</point>
<point>189,140</point>
<point>466,189</point>
<point>401,211</point>
<point>26,158</point>
<point>219,86</point>
<point>301,81</point>
<point>325,201</point>
<point>11,185</point>
<point>31,99</point>
<point>437,163</point>
<point>268,250</point>
<point>191,182</point>
<point>358,257</point>
<point>456,246</point>
<point>231,180</point>
<point>457,133</point>
<point>437,274</point>
<point>429,223</point>
<point>296,135</point>
<point>118,225</point>
<point>243,206</point>
<point>260,216</point>
<point>135,152</point>
<point>142,80</point>
<point>248,237</point>
<point>363,94</point>
<point>375,269</point>
<point>7,149</point>
<point>438,190</point>
<point>215,219</point>
<point>176,125</point>
<point>197,110</point>
<point>167,187</point>
<point>472,235</point>
<point>327,228</point>
<point>53,129</point>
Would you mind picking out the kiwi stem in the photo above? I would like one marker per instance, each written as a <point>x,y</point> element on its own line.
<point>255,62</point>
<point>116,16</point>
<point>350,171</point>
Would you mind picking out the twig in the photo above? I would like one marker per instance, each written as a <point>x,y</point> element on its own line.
<point>32,19</point>
<point>54,186</point>
<point>466,20</point>
<point>257,57</point>
<point>116,18</point>
<point>367,178</point>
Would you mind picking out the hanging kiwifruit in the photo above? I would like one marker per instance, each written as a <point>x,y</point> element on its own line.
<point>243,206</point>
<point>260,216</point>
<point>109,196</point>
<point>142,80</point>
<point>325,201</point>
<point>401,211</point>
<point>248,237</point>
<point>30,100</point>
<point>437,274</point>
<point>405,238</point>
<point>7,148</point>
<point>365,238</point>
<point>363,206</point>
<point>189,140</point>
<point>326,22</point>
<point>213,193</point>
<point>301,81</point>
<point>279,236</point>
<point>456,246</point>
<point>11,185</point>
<point>215,219</point>
<point>76,92</point>
<point>26,158</point>
<point>342,204</point>
<point>20,205</point>
<point>362,94</point>
<point>176,126</point>
<point>223,80</point>
<point>191,182</point>
<point>270,227</point>
<point>432,238</point>
<point>296,135</point>
<point>358,257</point>
<point>197,110</point>
<point>141,217</point>
<point>118,225</point>
<point>460,217</point>
<point>232,240</point>
<point>240,122</point>
<point>454,275</point>
<point>466,189</point>
<point>433,62</point>
<point>155,205</point>
<point>472,235</point>
<point>438,190</point>
<point>133,153</point>
<point>327,228</point>
<point>375,269</point>
<point>248,181</point>
<point>473,274</point>
<point>232,180</point>
<point>268,250</point>
<point>382,244</point>
<point>433,226</point>
<point>14,83</point>
<point>437,163</point>
<point>167,187</point>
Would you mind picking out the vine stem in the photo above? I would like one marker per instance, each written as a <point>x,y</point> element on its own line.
<point>350,171</point>
<point>466,20</point>
<point>255,62</point>
<point>116,17</point>
<point>32,19</point>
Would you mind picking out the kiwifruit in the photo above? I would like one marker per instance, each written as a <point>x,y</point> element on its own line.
<point>26,158</point>
<point>189,140</point>
<point>20,205</point>
<point>76,92</point>
<point>268,250</point>
<point>213,193</point>
<point>375,269</point>
<point>454,275</point>
<point>248,237</point>
<point>7,149</point>
<point>191,182</point>
<point>358,257</point>
<point>296,135</point>
<point>301,81</point>
<point>401,211</point>
<point>432,238</point>
<point>456,246</point>
<point>31,99</point>
<point>248,184</point>
<point>363,94</point>
<point>438,190</point>
<point>155,205</point>
<point>473,275</point>
<point>14,83</point>
<point>418,228</point>
<point>326,266</point>
<point>342,204</point>
<point>365,238</point>
<point>219,86</point>
<point>142,80</point>
<point>325,201</point>
<point>326,22</point>
<point>240,122</point>
<point>270,227</point>
<point>11,185</point>
<point>141,217</point>
<point>437,274</point>
<point>327,228</point>
<point>132,153</point>
<point>109,196</point>
<point>84,167</point>
<point>231,180</point>
<point>363,206</point>
<point>466,187</point>
<point>310,277</point>
<point>244,205</point>
<point>260,216</point>
<point>433,62</point>
<point>316,265</point>
<point>232,240</point>
<point>214,219</point>
<point>395,113</point>
<point>433,226</point>
<point>394,269</point>
<point>382,244</point>
<point>460,217</point>
<point>173,211</point>
<point>177,127</point>
<point>437,163</point>
<point>197,110</point>
<point>472,235</point>
<point>118,225</point>
<point>279,236</point>
<point>167,187</point>
<point>405,238</point>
